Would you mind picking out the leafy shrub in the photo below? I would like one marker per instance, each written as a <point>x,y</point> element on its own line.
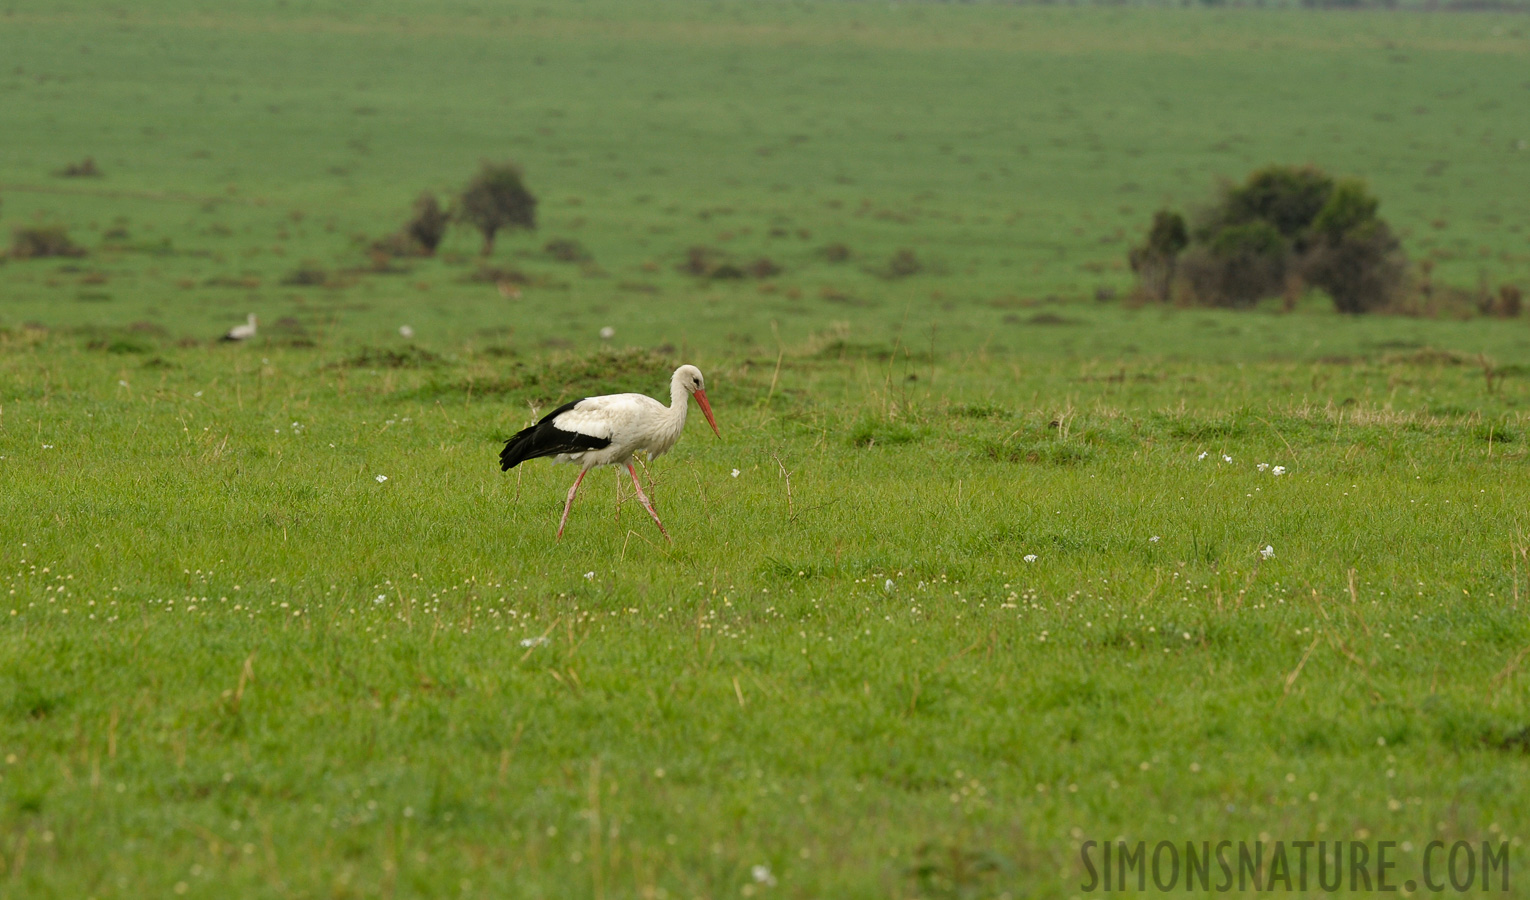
<point>497,199</point>
<point>764,267</point>
<point>714,264</point>
<point>901,265</point>
<point>1283,228</point>
<point>1155,260</point>
<point>44,240</point>
<point>1362,268</point>
<point>836,253</point>
<point>1239,266</point>
<point>1510,302</point>
<point>700,261</point>
<point>85,168</point>
<point>420,236</point>
<point>427,228</point>
<point>567,250</point>
<point>306,276</point>
<point>1287,197</point>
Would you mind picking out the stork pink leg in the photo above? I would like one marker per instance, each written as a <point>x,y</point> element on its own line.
<point>570,503</point>
<point>646,505</point>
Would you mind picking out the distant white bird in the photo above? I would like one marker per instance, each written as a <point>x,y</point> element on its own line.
<point>607,430</point>
<point>242,332</point>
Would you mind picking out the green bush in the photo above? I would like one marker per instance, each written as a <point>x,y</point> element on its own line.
<point>43,240</point>
<point>1155,260</point>
<point>1283,228</point>
<point>1239,266</point>
<point>427,228</point>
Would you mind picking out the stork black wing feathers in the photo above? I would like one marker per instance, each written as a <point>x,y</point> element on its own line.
<point>547,439</point>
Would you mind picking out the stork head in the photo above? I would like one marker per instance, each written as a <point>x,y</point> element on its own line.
<point>689,378</point>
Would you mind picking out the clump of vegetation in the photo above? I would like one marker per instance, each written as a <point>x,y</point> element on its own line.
<point>85,168</point>
<point>421,235</point>
<point>702,261</point>
<point>717,265</point>
<point>835,253</point>
<point>410,357</point>
<point>1283,229</point>
<point>764,267</point>
<point>901,264</point>
<point>306,275</point>
<point>43,240</point>
<point>497,199</point>
<point>567,250</point>
<point>1154,261</point>
<point>1510,302</point>
<point>496,274</point>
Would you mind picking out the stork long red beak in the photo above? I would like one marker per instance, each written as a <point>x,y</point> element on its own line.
<point>706,409</point>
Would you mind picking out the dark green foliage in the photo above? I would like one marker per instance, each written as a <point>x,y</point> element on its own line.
<point>1239,265</point>
<point>1283,228</point>
<point>85,168</point>
<point>306,276</point>
<point>428,226</point>
<point>717,265</point>
<point>835,253</point>
<point>567,250</point>
<point>901,264</point>
<point>1287,197</point>
<point>1349,206</point>
<point>1156,259</point>
<point>1362,268</point>
<point>496,199</point>
<point>43,240</point>
<point>1510,302</point>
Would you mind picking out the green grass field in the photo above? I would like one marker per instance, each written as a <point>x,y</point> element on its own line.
<point>974,573</point>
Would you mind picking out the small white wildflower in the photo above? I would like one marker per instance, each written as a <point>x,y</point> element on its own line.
<point>533,642</point>
<point>1262,466</point>
<point>405,331</point>
<point>1278,470</point>
<point>1155,539</point>
<point>888,585</point>
<point>381,479</point>
<point>589,576</point>
<point>735,473</point>
<point>380,598</point>
<point>1267,552</point>
<point>762,875</point>
<point>607,333</point>
<point>197,394</point>
<point>122,382</point>
<point>47,446</point>
<point>1030,557</point>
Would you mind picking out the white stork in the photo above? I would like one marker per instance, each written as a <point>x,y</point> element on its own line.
<point>607,430</point>
<point>242,332</point>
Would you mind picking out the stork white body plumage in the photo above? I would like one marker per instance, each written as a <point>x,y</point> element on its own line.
<point>242,332</point>
<point>609,430</point>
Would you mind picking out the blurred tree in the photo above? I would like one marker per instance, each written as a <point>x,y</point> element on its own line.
<point>497,198</point>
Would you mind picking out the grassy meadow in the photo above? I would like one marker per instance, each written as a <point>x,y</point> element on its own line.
<point>985,564</point>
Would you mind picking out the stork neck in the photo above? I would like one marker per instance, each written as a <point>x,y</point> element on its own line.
<point>679,399</point>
